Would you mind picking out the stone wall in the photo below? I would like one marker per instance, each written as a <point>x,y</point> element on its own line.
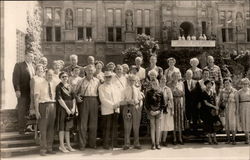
<point>8,120</point>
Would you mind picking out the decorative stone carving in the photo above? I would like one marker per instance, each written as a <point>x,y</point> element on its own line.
<point>69,19</point>
<point>239,21</point>
<point>175,30</point>
<point>166,27</point>
<point>129,20</point>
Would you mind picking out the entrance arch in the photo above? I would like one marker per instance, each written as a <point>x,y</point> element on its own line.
<point>186,28</point>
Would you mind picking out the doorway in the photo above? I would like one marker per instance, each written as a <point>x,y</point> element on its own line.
<point>186,28</point>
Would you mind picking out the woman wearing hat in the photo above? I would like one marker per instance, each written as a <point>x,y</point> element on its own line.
<point>208,112</point>
<point>244,107</point>
<point>228,108</point>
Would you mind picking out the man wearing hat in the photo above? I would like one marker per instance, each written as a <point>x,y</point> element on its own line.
<point>109,110</point>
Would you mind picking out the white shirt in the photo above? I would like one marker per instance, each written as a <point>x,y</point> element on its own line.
<point>128,94</point>
<point>108,98</point>
<point>88,87</point>
<point>120,84</point>
<point>42,90</point>
<point>141,73</point>
<point>31,69</point>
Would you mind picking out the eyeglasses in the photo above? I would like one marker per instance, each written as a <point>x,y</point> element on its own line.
<point>64,76</point>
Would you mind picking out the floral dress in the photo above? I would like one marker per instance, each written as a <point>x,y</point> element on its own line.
<point>178,94</point>
<point>228,98</point>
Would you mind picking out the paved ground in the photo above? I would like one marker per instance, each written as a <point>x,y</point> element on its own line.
<point>185,152</point>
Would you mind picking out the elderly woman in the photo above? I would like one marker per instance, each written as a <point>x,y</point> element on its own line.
<point>110,66</point>
<point>134,70</point>
<point>205,76</point>
<point>197,72</point>
<point>154,105</point>
<point>153,66</point>
<point>57,66</point>
<point>208,112</point>
<point>244,107</point>
<point>39,76</point>
<point>125,69</point>
<point>152,75</point>
<point>66,109</point>
<point>75,78</point>
<point>228,108</point>
<point>44,62</point>
<point>177,89</point>
<point>167,121</point>
<point>98,73</point>
<point>171,69</point>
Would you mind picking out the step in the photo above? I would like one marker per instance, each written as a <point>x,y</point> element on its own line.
<point>15,136</point>
<point>27,150</point>
<point>17,143</point>
<point>17,151</point>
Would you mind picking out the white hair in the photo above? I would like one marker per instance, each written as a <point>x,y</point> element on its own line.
<point>73,56</point>
<point>194,61</point>
<point>152,72</point>
<point>189,71</point>
<point>138,59</point>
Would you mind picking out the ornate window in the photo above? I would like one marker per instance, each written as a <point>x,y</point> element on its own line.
<point>88,16</point>
<point>79,15</point>
<point>114,25</point>
<point>143,21</point>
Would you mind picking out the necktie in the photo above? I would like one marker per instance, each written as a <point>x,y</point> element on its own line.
<point>50,92</point>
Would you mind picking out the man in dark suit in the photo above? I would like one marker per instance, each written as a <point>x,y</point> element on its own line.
<point>190,105</point>
<point>22,74</point>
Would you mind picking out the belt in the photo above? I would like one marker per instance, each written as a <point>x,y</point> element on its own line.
<point>47,102</point>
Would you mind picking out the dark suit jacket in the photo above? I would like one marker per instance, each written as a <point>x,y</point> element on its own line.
<point>190,94</point>
<point>21,78</point>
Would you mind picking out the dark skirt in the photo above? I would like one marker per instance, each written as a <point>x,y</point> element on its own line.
<point>62,123</point>
<point>210,120</point>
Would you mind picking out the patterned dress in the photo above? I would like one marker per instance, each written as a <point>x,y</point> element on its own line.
<point>178,94</point>
<point>244,109</point>
<point>167,121</point>
<point>228,97</point>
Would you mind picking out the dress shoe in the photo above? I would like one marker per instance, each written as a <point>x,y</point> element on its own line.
<point>82,148</point>
<point>42,153</point>
<point>106,147</point>
<point>63,149</point>
<point>158,146</point>
<point>125,147</point>
<point>71,149</point>
<point>181,142</point>
<point>174,143</point>
<point>165,144</point>
<point>233,143</point>
<point>153,147</point>
<point>137,147</point>
<point>51,152</point>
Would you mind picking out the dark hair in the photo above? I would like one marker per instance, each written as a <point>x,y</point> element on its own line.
<point>204,70</point>
<point>208,81</point>
<point>227,79</point>
<point>75,68</point>
<point>62,73</point>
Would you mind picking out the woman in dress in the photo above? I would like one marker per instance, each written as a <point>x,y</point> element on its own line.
<point>167,121</point>
<point>244,107</point>
<point>209,111</point>
<point>228,108</point>
<point>154,105</point>
<point>98,73</point>
<point>153,66</point>
<point>178,92</point>
<point>39,76</point>
<point>171,69</point>
<point>197,72</point>
<point>66,109</point>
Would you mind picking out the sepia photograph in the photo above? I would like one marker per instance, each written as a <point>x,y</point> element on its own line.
<point>125,80</point>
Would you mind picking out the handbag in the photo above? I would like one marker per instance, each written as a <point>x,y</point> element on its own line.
<point>217,126</point>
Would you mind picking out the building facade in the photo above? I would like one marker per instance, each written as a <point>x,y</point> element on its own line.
<point>104,28</point>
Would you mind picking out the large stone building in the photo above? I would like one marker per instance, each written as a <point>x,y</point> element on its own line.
<point>104,28</point>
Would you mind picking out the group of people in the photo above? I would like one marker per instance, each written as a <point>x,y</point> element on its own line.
<point>69,97</point>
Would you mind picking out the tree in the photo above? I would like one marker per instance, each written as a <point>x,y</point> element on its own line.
<point>34,29</point>
<point>146,46</point>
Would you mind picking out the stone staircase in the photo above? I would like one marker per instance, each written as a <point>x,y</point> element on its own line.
<point>14,144</point>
